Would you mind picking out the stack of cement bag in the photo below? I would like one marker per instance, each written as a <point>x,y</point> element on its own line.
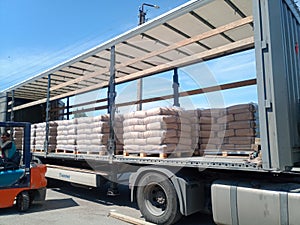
<point>66,136</point>
<point>159,130</point>
<point>232,129</point>
<point>38,136</point>
<point>194,116</point>
<point>134,132</point>
<point>40,132</point>
<point>209,139</point>
<point>32,137</point>
<point>91,135</point>
<point>96,139</point>
<point>118,131</point>
<point>241,127</point>
<point>18,135</point>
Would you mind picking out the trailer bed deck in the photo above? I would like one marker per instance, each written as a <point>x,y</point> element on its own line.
<point>217,162</point>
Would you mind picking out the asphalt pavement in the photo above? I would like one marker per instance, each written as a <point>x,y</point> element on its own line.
<point>69,205</point>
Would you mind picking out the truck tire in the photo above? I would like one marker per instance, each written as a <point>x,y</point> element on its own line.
<point>23,201</point>
<point>157,199</point>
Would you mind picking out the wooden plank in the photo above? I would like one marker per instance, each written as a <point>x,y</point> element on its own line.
<point>128,219</point>
<point>158,154</point>
<point>182,94</point>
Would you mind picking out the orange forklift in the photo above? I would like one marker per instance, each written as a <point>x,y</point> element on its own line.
<point>25,183</point>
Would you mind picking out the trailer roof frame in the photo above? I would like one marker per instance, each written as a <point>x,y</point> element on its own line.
<point>159,45</point>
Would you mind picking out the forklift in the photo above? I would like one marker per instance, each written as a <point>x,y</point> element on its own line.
<point>25,183</point>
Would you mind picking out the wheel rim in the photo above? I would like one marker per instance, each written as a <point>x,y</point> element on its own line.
<point>155,199</point>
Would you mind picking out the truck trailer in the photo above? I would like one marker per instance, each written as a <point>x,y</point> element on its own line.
<point>238,161</point>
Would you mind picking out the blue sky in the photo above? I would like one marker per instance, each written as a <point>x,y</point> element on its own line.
<point>38,34</point>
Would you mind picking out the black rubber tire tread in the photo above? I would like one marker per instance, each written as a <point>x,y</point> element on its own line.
<point>172,213</point>
<point>23,201</point>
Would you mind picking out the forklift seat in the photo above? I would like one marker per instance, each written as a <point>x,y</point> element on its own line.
<point>10,177</point>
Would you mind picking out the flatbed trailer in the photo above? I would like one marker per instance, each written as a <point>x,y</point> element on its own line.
<point>234,189</point>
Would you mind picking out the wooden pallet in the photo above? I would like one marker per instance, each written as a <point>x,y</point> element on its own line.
<point>198,152</point>
<point>161,155</point>
<point>227,153</point>
<point>85,152</point>
<point>65,151</point>
<point>37,150</point>
<point>101,153</point>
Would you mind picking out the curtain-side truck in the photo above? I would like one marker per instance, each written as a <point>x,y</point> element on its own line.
<point>233,190</point>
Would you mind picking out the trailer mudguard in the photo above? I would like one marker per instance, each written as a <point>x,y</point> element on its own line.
<point>190,192</point>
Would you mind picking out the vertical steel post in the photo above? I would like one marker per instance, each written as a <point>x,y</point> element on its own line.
<point>176,88</point>
<point>46,143</point>
<point>26,144</point>
<point>12,116</point>
<point>111,103</point>
<point>139,106</point>
<point>68,108</point>
<point>142,19</point>
<point>111,96</point>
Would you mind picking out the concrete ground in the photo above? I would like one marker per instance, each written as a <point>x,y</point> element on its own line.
<point>69,205</point>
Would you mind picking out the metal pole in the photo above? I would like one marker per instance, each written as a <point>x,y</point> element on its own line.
<point>176,88</point>
<point>139,106</point>
<point>139,94</point>
<point>142,15</point>
<point>46,143</point>
<point>111,103</point>
<point>111,95</point>
<point>68,108</point>
<point>142,19</point>
<point>12,112</point>
<point>12,116</point>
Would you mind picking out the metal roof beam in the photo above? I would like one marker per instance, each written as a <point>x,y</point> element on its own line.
<point>91,64</point>
<point>210,25</point>
<point>185,35</point>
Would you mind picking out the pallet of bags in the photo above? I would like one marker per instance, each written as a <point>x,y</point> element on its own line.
<point>66,136</point>
<point>209,141</point>
<point>117,129</point>
<point>18,135</point>
<point>32,137</point>
<point>192,119</point>
<point>39,134</point>
<point>241,129</point>
<point>160,131</point>
<point>134,132</point>
<point>232,130</point>
<point>52,136</point>
<point>89,141</point>
<point>93,134</point>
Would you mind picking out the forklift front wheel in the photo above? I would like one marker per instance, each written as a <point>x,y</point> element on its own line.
<point>23,201</point>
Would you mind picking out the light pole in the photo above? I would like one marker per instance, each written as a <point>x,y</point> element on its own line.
<point>142,12</point>
<point>142,19</point>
